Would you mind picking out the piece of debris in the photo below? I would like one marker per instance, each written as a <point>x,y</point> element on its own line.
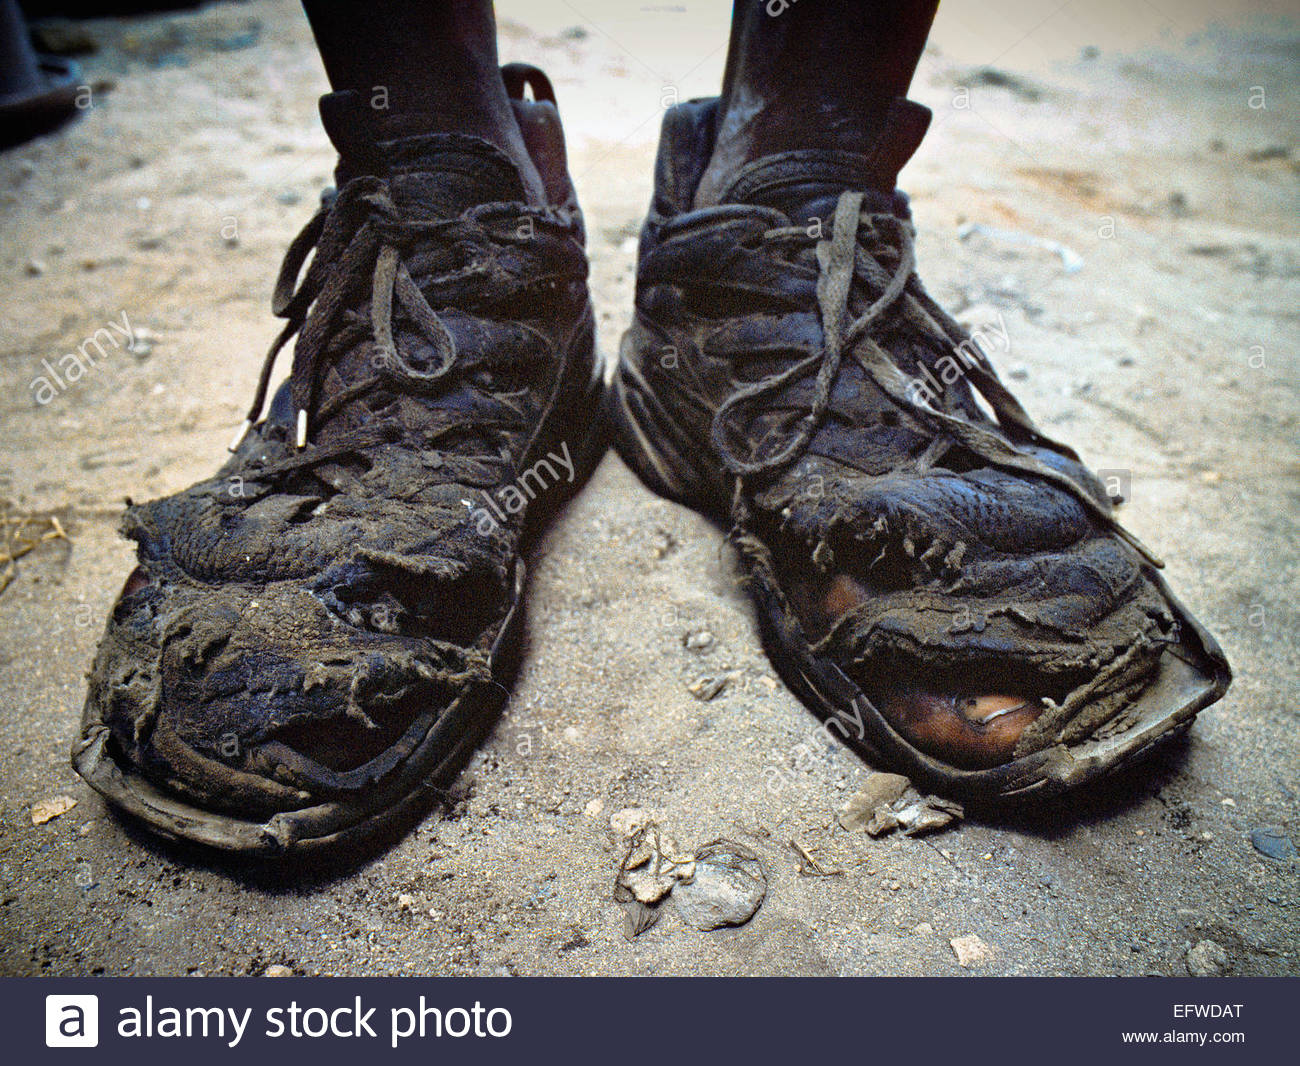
<point>649,871</point>
<point>628,821</point>
<point>1070,259</point>
<point>48,809</point>
<point>888,802</point>
<point>1271,840</point>
<point>1207,959</point>
<point>928,814</point>
<point>1001,79</point>
<point>142,343</point>
<point>20,534</point>
<point>809,866</point>
<point>970,950</point>
<point>700,640</point>
<point>654,864</point>
<point>880,790</point>
<point>729,886</point>
<point>710,687</point>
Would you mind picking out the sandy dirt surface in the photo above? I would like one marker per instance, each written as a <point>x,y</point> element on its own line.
<point>1160,150</point>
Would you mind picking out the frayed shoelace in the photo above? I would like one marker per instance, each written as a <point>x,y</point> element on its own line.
<point>357,229</point>
<point>842,259</point>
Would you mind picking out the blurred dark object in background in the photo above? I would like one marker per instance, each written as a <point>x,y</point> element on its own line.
<point>37,92</point>
<point>98,9</point>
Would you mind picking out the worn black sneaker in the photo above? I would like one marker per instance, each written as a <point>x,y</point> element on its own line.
<point>787,375</point>
<point>317,635</point>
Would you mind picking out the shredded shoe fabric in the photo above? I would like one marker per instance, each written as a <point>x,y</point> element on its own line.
<point>318,635</point>
<point>788,375</point>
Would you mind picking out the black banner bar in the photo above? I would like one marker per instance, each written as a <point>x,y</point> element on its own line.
<point>139,1021</point>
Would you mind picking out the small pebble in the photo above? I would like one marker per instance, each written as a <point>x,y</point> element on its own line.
<point>970,950</point>
<point>1271,840</point>
<point>142,342</point>
<point>277,970</point>
<point>700,641</point>
<point>1207,959</point>
<point>728,887</point>
<point>707,688</point>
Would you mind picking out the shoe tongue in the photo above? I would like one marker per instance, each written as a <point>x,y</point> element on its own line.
<point>804,184</point>
<point>431,175</point>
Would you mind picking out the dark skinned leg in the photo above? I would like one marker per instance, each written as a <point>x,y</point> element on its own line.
<point>435,58</point>
<point>820,75</point>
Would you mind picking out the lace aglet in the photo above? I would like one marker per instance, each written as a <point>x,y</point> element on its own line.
<point>240,433</point>
<point>301,440</point>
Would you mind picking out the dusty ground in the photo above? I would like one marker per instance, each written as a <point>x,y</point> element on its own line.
<point>1163,156</point>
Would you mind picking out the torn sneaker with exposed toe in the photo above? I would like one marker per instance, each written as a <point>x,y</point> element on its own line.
<point>318,634</point>
<point>952,588</point>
